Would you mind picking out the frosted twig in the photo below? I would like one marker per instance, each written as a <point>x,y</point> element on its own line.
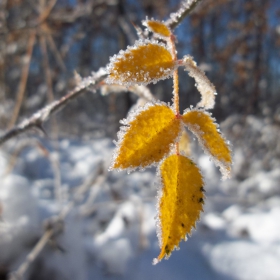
<point>32,256</point>
<point>186,8</point>
<point>54,225</point>
<point>37,119</point>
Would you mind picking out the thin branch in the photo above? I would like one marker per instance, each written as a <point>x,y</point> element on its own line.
<point>46,12</point>
<point>56,52</point>
<point>41,116</point>
<point>46,66</point>
<point>48,78</point>
<point>23,81</point>
<point>127,29</point>
<point>32,255</point>
<point>186,8</point>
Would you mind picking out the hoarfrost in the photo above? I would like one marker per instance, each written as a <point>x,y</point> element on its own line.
<point>133,114</point>
<point>225,167</point>
<point>204,86</point>
<point>139,74</point>
<point>185,6</point>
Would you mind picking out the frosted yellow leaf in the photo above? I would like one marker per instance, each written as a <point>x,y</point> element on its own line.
<point>158,27</point>
<point>180,203</point>
<point>146,62</point>
<point>203,126</point>
<point>204,86</point>
<point>184,144</point>
<point>146,137</point>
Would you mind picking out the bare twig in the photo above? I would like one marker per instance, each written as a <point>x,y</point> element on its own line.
<point>127,30</point>
<point>24,76</point>
<point>47,10</point>
<point>186,8</point>
<point>32,255</point>
<point>48,78</point>
<point>37,119</point>
<point>46,66</point>
<point>54,49</point>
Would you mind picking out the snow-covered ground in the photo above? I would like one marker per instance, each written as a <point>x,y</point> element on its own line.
<point>109,232</point>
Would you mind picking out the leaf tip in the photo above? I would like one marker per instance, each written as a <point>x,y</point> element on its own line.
<point>178,209</point>
<point>155,261</point>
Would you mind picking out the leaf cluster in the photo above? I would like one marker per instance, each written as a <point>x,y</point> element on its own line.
<point>151,134</point>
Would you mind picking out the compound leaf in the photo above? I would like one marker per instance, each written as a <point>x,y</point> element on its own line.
<point>158,27</point>
<point>180,203</point>
<point>212,141</point>
<point>146,137</point>
<point>144,63</point>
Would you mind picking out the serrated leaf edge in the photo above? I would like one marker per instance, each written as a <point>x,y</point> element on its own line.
<point>225,168</point>
<point>123,130</point>
<point>119,56</point>
<point>160,186</point>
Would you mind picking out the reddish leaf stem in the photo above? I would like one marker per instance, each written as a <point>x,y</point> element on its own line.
<point>175,82</point>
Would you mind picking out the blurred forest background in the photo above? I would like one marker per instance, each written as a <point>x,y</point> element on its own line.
<point>42,43</point>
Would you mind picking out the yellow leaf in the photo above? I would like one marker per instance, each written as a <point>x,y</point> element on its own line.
<point>212,141</point>
<point>144,63</point>
<point>180,203</point>
<point>146,137</point>
<point>185,144</point>
<point>158,27</point>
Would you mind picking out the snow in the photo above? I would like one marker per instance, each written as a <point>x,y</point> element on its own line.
<point>110,233</point>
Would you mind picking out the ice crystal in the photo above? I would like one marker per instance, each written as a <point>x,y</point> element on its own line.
<point>204,86</point>
<point>146,62</point>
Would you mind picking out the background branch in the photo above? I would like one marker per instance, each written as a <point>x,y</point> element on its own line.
<point>23,80</point>
<point>176,18</point>
<point>37,119</point>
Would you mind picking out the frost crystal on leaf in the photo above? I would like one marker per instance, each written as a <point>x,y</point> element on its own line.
<point>204,86</point>
<point>146,62</point>
<point>180,202</point>
<point>146,137</point>
<point>212,141</point>
<point>159,28</point>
